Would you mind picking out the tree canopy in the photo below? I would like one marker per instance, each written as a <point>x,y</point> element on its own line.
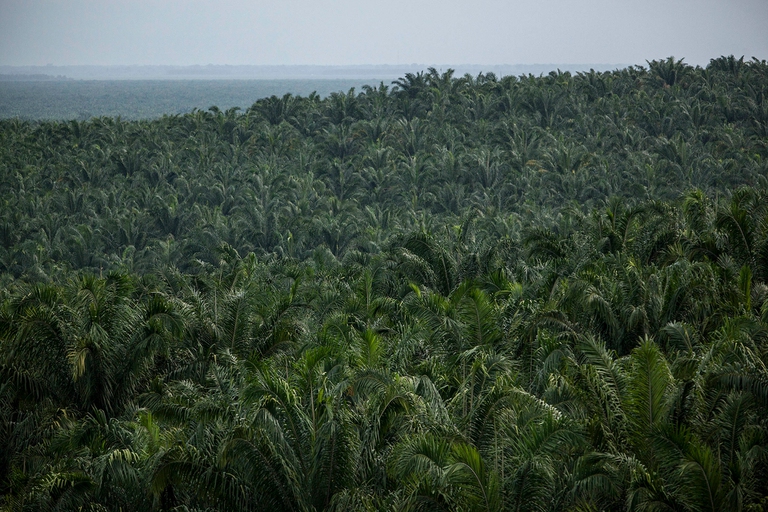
<point>449,293</point>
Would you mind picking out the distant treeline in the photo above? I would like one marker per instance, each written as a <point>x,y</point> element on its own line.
<point>33,77</point>
<point>373,73</point>
<point>145,99</point>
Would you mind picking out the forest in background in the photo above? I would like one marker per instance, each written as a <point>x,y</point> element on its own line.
<point>81,100</point>
<point>451,293</point>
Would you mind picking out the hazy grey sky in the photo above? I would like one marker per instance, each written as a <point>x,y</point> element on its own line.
<point>343,32</point>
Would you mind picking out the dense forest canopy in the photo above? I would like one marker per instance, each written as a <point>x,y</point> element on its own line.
<point>450,293</point>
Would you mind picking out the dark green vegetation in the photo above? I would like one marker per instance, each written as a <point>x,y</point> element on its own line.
<point>454,294</point>
<point>144,99</point>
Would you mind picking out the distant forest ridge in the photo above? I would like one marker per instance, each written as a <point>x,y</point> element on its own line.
<point>36,77</point>
<point>211,71</point>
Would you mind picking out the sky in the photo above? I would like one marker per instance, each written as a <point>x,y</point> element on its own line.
<point>352,32</point>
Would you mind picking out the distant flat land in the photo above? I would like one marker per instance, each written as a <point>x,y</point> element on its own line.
<point>147,99</point>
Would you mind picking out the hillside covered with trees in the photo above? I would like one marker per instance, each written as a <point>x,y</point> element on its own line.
<point>452,293</point>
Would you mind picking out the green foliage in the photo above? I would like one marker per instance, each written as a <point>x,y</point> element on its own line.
<point>478,293</point>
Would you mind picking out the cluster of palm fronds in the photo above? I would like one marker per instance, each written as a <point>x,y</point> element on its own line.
<point>208,312</point>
